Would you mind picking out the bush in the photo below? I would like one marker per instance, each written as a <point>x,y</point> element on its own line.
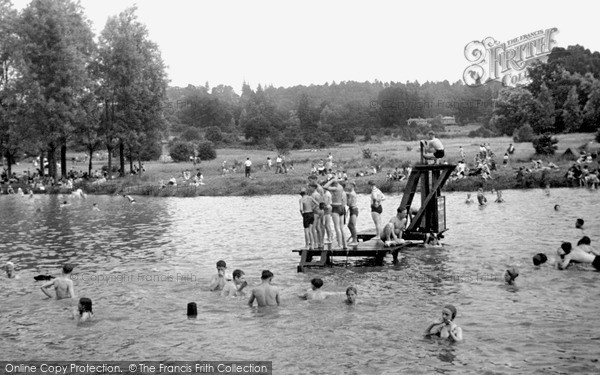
<point>545,145</point>
<point>343,136</point>
<point>191,134</point>
<point>151,151</point>
<point>482,132</point>
<point>206,150</point>
<point>298,144</point>
<point>367,153</point>
<point>181,151</point>
<point>523,134</point>
<point>282,144</point>
<point>368,136</point>
<point>214,134</point>
<point>598,136</point>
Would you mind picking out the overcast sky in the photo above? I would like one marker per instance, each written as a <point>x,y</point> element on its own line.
<point>287,43</point>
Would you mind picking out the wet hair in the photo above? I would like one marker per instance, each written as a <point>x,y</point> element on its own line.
<point>452,310</point>
<point>67,268</point>
<point>317,283</point>
<point>579,223</point>
<point>86,305</point>
<point>221,263</point>
<point>266,274</point>
<point>566,246</point>
<point>539,258</point>
<point>556,207</point>
<point>351,288</point>
<point>238,274</point>
<point>585,240</point>
<point>513,273</point>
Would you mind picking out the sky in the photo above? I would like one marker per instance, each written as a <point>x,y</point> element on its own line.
<point>288,43</point>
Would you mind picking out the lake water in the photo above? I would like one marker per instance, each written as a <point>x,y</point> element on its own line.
<point>142,263</point>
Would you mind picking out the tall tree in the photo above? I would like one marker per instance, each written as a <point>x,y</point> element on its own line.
<point>571,112</point>
<point>133,79</point>
<point>514,107</point>
<point>56,46</point>
<point>542,118</point>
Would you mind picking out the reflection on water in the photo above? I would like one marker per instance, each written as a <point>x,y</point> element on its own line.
<point>142,263</point>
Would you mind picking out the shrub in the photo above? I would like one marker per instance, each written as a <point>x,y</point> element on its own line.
<point>523,134</point>
<point>598,136</point>
<point>151,151</point>
<point>206,150</point>
<point>367,153</point>
<point>368,135</point>
<point>482,132</point>
<point>545,145</point>
<point>298,144</point>
<point>181,151</point>
<point>191,134</point>
<point>214,134</point>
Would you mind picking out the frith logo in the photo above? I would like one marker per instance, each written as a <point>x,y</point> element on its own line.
<point>506,62</point>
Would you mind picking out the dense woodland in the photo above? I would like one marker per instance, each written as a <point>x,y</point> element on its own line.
<point>62,87</point>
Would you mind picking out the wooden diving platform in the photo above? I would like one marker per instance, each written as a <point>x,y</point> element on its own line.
<point>371,249</point>
<point>428,222</point>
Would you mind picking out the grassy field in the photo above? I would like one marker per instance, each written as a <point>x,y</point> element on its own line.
<point>390,152</point>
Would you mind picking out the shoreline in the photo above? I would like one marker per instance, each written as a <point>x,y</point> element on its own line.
<point>238,185</point>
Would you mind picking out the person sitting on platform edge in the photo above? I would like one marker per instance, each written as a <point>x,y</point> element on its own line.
<point>445,327</point>
<point>392,232</point>
<point>236,286</point>
<point>265,294</point>
<point>433,149</point>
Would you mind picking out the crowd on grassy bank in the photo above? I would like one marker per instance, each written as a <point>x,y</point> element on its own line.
<point>388,162</point>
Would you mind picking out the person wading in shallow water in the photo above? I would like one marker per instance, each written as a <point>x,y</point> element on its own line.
<point>445,327</point>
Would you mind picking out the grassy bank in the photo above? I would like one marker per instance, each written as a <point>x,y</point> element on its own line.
<point>391,153</point>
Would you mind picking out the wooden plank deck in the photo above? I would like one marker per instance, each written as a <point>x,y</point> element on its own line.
<point>373,248</point>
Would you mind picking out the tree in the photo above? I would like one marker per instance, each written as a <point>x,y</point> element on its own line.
<point>181,151</point>
<point>191,134</point>
<point>545,145</point>
<point>571,113</point>
<point>56,47</point>
<point>591,111</point>
<point>513,109</point>
<point>542,116</point>
<point>206,151</point>
<point>214,134</point>
<point>133,80</point>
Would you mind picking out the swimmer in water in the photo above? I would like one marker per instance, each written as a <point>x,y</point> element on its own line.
<point>351,293</point>
<point>10,270</point>
<point>579,223</point>
<point>83,311</point>
<point>314,293</point>
<point>131,200</point>
<point>539,259</point>
<point>480,197</point>
<point>445,327</point>
<point>217,282</point>
<point>499,198</point>
<point>95,207</point>
<point>557,207</point>
<point>63,286</point>
<point>510,275</point>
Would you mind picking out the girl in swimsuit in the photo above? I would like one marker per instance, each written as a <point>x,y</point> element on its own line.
<point>445,327</point>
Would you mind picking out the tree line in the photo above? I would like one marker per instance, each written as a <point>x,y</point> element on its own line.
<point>320,115</point>
<point>563,96</point>
<point>61,87</point>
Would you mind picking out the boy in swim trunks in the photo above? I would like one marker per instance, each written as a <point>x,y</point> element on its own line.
<point>63,285</point>
<point>308,218</point>
<point>433,149</point>
<point>265,294</point>
<point>235,287</point>
<point>392,232</point>
<point>217,282</point>
<point>352,200</point>
<point>376,208</point>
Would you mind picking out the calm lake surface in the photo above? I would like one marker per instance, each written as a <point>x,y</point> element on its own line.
<point>142,263</point>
